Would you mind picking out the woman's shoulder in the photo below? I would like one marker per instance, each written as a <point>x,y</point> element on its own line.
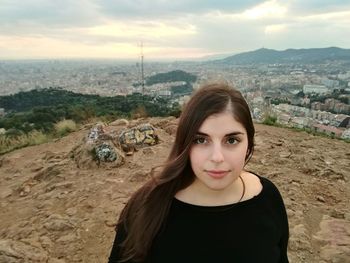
<point>253,185</point>
<point>269,189</point>
<point>259,185</point>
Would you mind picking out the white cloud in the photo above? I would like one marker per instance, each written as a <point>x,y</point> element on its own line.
<point>327,17</point>
<point>101,28</point>
<point>42,47</point>
<point>267,9</point>
<point>275,29</point>
<point>141,29</point>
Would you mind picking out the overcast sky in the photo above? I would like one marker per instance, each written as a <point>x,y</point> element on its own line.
<point>168,29</point>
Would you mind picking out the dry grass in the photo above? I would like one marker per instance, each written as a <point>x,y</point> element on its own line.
<point>19,139</point>
<point>139,112</point>
<point>64,127</point>
<point>9,143</point>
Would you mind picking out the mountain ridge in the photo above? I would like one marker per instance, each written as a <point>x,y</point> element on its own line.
<point>291,55</point>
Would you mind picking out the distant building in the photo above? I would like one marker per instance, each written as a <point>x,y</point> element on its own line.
<point>2,112</point>
<point>183,100</point>
<point>257,114</point>
<point>258,100</point>
<point>346,134</point>
<point>330,83</point>
<point>330,130</point>
<point>331,105</point>
<point>318,106</point>
<point>283,118</point>
<point>299,122</point>
<point>319,89</point>
<point>305,101</point>
<point>344,76</point>
<point>165,93</point>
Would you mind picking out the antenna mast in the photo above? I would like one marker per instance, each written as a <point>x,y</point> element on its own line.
<point>142,73</point>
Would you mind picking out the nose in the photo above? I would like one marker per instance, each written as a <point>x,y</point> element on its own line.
<point>217,155</point>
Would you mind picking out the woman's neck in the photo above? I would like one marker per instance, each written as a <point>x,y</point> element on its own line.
<point>199,194</point>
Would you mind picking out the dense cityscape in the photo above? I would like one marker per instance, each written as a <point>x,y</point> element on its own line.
<point>305,96</point>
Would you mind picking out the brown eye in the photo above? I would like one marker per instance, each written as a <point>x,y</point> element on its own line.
<point>200,140</point>
<point>232,140</point>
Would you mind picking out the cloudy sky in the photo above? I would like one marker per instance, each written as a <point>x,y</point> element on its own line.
<point>168,29</point>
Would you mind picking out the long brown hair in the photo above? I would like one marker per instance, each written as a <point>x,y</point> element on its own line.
<point>147,210</point>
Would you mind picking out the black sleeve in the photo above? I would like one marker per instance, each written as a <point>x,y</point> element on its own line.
<point>119,238</point>
<point>285,236</point>
<point>280,215</point>
<point>284,228</point>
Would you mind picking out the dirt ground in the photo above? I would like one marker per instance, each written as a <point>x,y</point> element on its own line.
<point>52,211</point>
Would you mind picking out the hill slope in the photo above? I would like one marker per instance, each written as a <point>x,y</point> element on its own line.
<point>269,56</point>
<point>172,76</point>
<point>52,211</point>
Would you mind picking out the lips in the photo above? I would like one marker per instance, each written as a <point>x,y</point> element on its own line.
<point>217,174</point>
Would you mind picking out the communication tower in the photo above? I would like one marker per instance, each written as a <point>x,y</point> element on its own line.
<point>142,71</point>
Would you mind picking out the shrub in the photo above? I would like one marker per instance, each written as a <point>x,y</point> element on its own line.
<point>270,120</point>
<point>139,112</point>
<point>13,133</point>
<point>64,127</point>
<point>37,137</point>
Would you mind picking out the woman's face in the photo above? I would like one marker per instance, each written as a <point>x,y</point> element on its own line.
<point>218,152</point>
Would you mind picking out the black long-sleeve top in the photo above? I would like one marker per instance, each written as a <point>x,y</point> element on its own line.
<point>252,231</point>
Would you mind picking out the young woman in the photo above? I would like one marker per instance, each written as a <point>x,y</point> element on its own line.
<point>203,206</point>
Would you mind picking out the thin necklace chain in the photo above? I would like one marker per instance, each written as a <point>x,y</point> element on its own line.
<point>229,206</point>
<point>243,192</point>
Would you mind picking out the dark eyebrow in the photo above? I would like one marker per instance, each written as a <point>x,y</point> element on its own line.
<point>226,135</point>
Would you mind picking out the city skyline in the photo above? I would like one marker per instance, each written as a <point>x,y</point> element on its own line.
<point>43,29</point>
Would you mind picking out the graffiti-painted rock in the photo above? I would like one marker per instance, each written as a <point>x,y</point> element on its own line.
<point>105,153</point>
<point>138,137</point>
<point>98,132</point>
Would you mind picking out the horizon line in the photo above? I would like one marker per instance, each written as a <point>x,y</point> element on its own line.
<point>155,59</point>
